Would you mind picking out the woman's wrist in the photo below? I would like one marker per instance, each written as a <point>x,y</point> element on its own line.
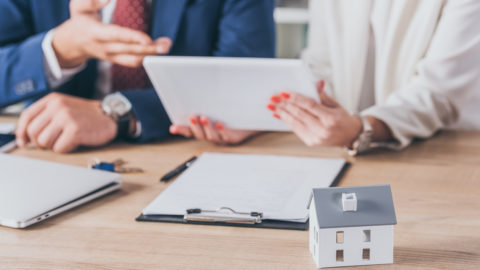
<point>357,126</point>
<point>381,131</point>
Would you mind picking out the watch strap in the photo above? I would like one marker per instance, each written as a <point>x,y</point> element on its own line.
<point>123,123</point>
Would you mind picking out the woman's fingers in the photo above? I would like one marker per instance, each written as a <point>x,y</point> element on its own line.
<point>308,104</point>
<point>324,97</point>
<point>210,131</point>
<point>223,132</point>
<point>233,136</point>
<point>202,128</point>
<point>196,128</point>
<point>298,127</point>
<point>184,131</point>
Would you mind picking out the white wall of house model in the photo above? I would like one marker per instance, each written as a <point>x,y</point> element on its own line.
<point>352,226</point>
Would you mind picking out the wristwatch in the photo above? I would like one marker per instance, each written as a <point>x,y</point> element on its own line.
<point>364,140</point>
<point>119,108</point>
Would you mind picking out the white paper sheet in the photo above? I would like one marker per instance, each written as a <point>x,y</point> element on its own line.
<point>277,186</point>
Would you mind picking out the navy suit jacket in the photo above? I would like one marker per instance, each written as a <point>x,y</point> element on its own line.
<point>236,28</point>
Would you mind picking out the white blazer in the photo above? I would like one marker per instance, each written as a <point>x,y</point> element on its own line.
<point>427,61</point>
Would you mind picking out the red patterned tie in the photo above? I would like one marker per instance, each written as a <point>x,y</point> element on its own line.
<point>132,14</point>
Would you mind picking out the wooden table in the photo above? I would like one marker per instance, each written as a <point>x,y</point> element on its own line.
<point>436,188</point>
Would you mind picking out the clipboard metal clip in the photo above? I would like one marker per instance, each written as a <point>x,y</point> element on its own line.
<point>223,214</point>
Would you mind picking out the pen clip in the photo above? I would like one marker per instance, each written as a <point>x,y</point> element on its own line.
<point>223,214</point>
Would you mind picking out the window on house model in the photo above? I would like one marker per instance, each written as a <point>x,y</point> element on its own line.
<point>366,254</point>
<point>339,255</point>
<point>366,235</point>
<point>340,235</point>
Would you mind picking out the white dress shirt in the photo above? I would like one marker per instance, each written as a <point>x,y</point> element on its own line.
<point>426,61</point>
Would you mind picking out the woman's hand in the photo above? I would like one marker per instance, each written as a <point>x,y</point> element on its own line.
<point>317,124</point>
<point>202,128</point>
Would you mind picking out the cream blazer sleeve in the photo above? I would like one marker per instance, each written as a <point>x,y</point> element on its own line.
<point>444,77</point>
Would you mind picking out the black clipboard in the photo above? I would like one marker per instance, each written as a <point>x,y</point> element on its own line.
<point>265,224</point>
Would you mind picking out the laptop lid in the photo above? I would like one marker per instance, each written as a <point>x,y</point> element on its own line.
<point>29,188</point>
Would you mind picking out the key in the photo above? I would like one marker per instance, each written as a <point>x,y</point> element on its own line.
<point>128,170</point>
<point>114,166</point>
<point>119,162</point>
<point>104,166</point>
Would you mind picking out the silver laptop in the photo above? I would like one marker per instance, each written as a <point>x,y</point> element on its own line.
<point>33,190</point>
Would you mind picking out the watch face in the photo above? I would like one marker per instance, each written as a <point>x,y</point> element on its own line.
<point>118,104</point>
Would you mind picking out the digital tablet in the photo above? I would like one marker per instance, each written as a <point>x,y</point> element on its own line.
<point>234,91</point>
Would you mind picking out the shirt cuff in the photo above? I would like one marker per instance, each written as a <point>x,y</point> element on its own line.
<point>56,76</point>
<point>400,141</point>
<point>138,131</point>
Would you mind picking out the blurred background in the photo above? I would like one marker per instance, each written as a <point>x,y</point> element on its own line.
<point>292,19</point>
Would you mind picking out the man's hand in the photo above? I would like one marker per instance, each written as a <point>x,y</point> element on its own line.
<point>202,128</point>
<point>63,123</point>
<point>84,36</point>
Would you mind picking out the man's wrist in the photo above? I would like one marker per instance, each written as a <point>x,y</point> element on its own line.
<point>120,109</point>
<point>132,130</point>
<point>381,132</point>
<point>68,57</point>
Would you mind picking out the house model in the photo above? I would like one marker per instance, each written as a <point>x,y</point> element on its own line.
<point>352,226</point>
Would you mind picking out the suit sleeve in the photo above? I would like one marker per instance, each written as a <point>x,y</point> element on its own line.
<point>445,80</point>
<point>22,73</point>
<point>246,29</point>
<point>149,111</point>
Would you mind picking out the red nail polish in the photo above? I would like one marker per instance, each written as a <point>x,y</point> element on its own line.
<point>275,99</point>
<point>219,126</point>
<point>193,120</point>
<point>203,121</point>
<point>271,107</point>
<point>322,84</point>
<point>285,95</point>
<point>173,130</point>
<point>276,116</point>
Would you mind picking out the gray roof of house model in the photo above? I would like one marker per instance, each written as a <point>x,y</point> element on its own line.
<point>374,207</point>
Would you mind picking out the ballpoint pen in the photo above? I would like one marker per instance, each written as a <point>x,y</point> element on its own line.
<point>178,170</point>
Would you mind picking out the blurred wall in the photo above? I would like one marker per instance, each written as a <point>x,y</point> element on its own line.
<point>292,19</point>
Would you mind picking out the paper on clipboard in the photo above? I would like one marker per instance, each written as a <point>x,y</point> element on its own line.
<point>277,186</point>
